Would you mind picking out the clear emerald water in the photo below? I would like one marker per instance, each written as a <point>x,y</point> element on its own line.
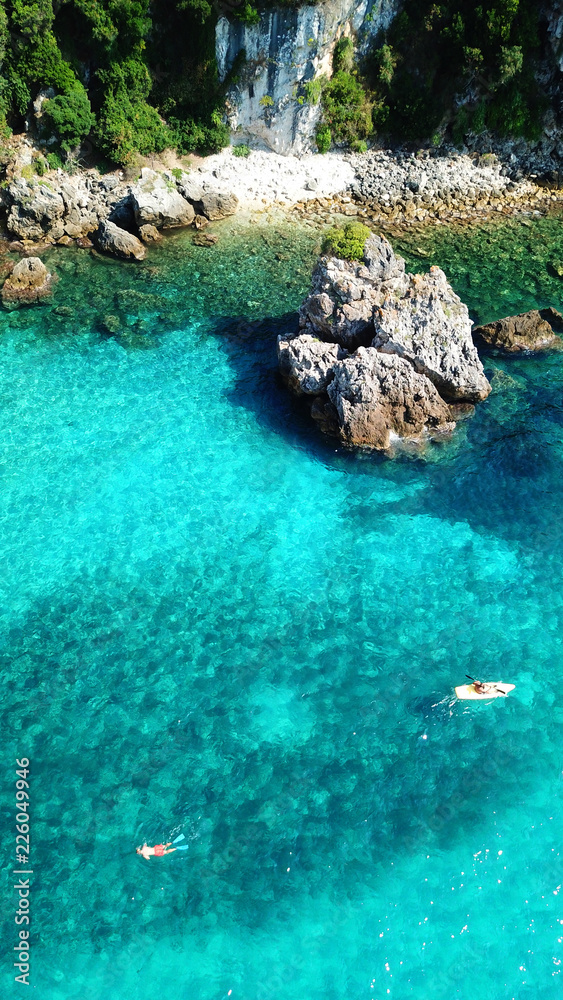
<point>215,622</point>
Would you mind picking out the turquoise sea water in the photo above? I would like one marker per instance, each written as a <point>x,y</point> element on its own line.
<point>215,622</point>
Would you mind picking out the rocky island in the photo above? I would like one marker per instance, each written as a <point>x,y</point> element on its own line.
<point>384,355</point>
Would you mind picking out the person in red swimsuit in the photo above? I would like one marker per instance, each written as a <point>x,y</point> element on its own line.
<point>157,851</point>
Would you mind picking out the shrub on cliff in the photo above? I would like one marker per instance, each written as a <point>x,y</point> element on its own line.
<point>485,53</point>
<point>70,116</point>
<point>348,242</point>
<point>128,127</point>
<point>346,108</point>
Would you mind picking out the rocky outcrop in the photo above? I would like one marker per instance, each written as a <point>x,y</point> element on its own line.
<point>50,209</point>
<point>157,202</point>
<point>383,352</point>
<point>286,49</point>
<point>29,282</point>
<point>308,364</point>
<point>34,210</point>
<point>429,326</point>
<point>40,209</point>
<point>529,331</point>
<point>379,397</point>
<point>111,239</point>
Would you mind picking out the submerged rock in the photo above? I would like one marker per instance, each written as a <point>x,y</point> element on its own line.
<point>205,239</point>
<point>111,239</point>
<point>529,331</point>
<point>383,352</point>
<point>29,282</point>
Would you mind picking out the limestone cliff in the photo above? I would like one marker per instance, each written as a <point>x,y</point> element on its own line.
<point>287,49</point>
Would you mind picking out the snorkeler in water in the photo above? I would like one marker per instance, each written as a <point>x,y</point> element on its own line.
<point>157,851</point>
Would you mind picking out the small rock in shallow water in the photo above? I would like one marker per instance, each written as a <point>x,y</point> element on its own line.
<point>119,242</point>
<point>29,282</point>
<point>205,239</point>
<point>149,234</point>
<point>111,324</point>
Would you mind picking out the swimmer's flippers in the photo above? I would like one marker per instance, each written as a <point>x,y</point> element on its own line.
<point>181,836</point>
<point>185,847</point>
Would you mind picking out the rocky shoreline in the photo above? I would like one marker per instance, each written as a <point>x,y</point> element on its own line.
<point>380,186</point>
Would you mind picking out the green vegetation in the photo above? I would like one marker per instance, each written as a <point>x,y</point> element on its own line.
<point>347,243</point>
<point>241,150</point>
<point>70,116</point>
<point>323,138</point>
<point>136,76</point>
<point>465,65</point>
<point>313,90</point>
<point>346,105</point>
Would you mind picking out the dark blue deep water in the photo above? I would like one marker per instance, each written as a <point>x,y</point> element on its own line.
<point>212,621</point>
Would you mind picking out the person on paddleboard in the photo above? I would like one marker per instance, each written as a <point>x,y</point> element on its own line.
<point>483,688</point>
<point>157,851</point>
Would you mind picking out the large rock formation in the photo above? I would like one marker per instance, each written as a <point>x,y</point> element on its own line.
<point>50,209</point>
<point>157,202</point>
<point>382,352</point>
<point>529,331</point>
<point>29,282</point>
<point>111,239</point>
<point>378,397</point>
<point>62,205</point>
<point>429,326</point>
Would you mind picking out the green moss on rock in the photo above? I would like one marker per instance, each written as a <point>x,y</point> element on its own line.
<point>348,242</point>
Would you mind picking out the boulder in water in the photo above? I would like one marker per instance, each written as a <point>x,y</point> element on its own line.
<point>383,353</point>
<point>111,239</point>
<point>529,331</point>
<point>29,282</point>
<point>380,397</point>
<point>149,234</point>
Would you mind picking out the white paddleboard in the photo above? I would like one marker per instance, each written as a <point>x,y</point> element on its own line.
<point>467,692</point>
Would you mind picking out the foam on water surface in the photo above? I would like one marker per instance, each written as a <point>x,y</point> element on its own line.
<point>215,622</point>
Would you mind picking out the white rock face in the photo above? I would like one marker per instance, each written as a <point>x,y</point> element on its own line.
<point>555,30</point>
<point>288,48</point>
<point>429,326</point>
<point>157,202</point>
<point>308,363</point>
